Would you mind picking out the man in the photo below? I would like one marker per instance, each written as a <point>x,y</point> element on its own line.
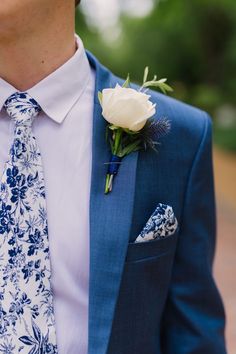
<point>109,294</point>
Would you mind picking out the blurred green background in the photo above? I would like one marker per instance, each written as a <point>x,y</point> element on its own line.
<point>192,42</point>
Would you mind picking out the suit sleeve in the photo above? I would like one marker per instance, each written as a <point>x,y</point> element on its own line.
<point>193,320</point>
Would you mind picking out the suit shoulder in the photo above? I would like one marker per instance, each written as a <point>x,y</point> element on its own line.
<point>190,126</point>
<point>182,115</point>
<point>188,123</point>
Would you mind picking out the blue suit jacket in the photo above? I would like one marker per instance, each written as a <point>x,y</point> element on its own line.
<point>157,297</point>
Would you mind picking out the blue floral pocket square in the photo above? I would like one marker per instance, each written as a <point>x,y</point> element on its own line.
<point>162,223</point>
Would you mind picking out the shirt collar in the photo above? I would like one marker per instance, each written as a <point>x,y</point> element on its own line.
<point>58,92</point>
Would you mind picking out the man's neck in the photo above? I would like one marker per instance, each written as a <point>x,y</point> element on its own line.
<point>26,61</point>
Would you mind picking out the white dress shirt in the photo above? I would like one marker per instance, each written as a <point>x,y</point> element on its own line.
<point>64,134</point>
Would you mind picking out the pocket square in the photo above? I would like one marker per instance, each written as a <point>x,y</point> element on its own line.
<point>162,223</point>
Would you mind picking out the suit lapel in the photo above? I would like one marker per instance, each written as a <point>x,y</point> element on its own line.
<point>110,223</point>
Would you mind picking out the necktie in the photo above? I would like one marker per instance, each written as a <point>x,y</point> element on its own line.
<point>27,323</point>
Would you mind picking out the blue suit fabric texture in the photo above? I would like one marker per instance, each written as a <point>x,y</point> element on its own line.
<point>155,297</point>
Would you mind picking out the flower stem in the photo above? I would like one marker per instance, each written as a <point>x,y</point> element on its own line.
<point>115,150</point>
<point>107,183</point>
<point>118,135</point>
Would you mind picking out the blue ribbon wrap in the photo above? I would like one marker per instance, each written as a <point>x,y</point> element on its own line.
<point>114,165</point>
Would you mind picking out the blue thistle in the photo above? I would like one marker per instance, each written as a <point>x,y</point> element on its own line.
<point>153,131</point>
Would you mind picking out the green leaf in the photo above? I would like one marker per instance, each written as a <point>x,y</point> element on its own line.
<point>162,85</point>
<point>161,80</point>
<point>166,88</point>
<point>100,97</point>
<point>145,76</point>
<point>130,148</point>
<point>127,82</point>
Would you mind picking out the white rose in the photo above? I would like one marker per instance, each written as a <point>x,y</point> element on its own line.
<point>126,107</point>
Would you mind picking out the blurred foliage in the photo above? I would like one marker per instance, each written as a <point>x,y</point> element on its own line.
<point>191,42</point>
<point>225,137</point>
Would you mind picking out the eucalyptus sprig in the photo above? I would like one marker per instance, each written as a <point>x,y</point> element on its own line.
<point>161,84</point>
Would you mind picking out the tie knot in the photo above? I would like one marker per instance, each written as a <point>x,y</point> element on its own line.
<point>22,108</point>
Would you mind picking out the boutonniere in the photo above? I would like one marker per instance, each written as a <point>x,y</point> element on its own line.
<point>132,126</point>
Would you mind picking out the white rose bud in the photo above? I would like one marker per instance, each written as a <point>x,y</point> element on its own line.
<point>126,107</point>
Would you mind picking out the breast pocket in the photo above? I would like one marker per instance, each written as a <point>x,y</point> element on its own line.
<point>142,251</point>
<point>143,292</point>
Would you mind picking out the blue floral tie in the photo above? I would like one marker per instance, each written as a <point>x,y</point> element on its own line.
<point>27,323</point>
